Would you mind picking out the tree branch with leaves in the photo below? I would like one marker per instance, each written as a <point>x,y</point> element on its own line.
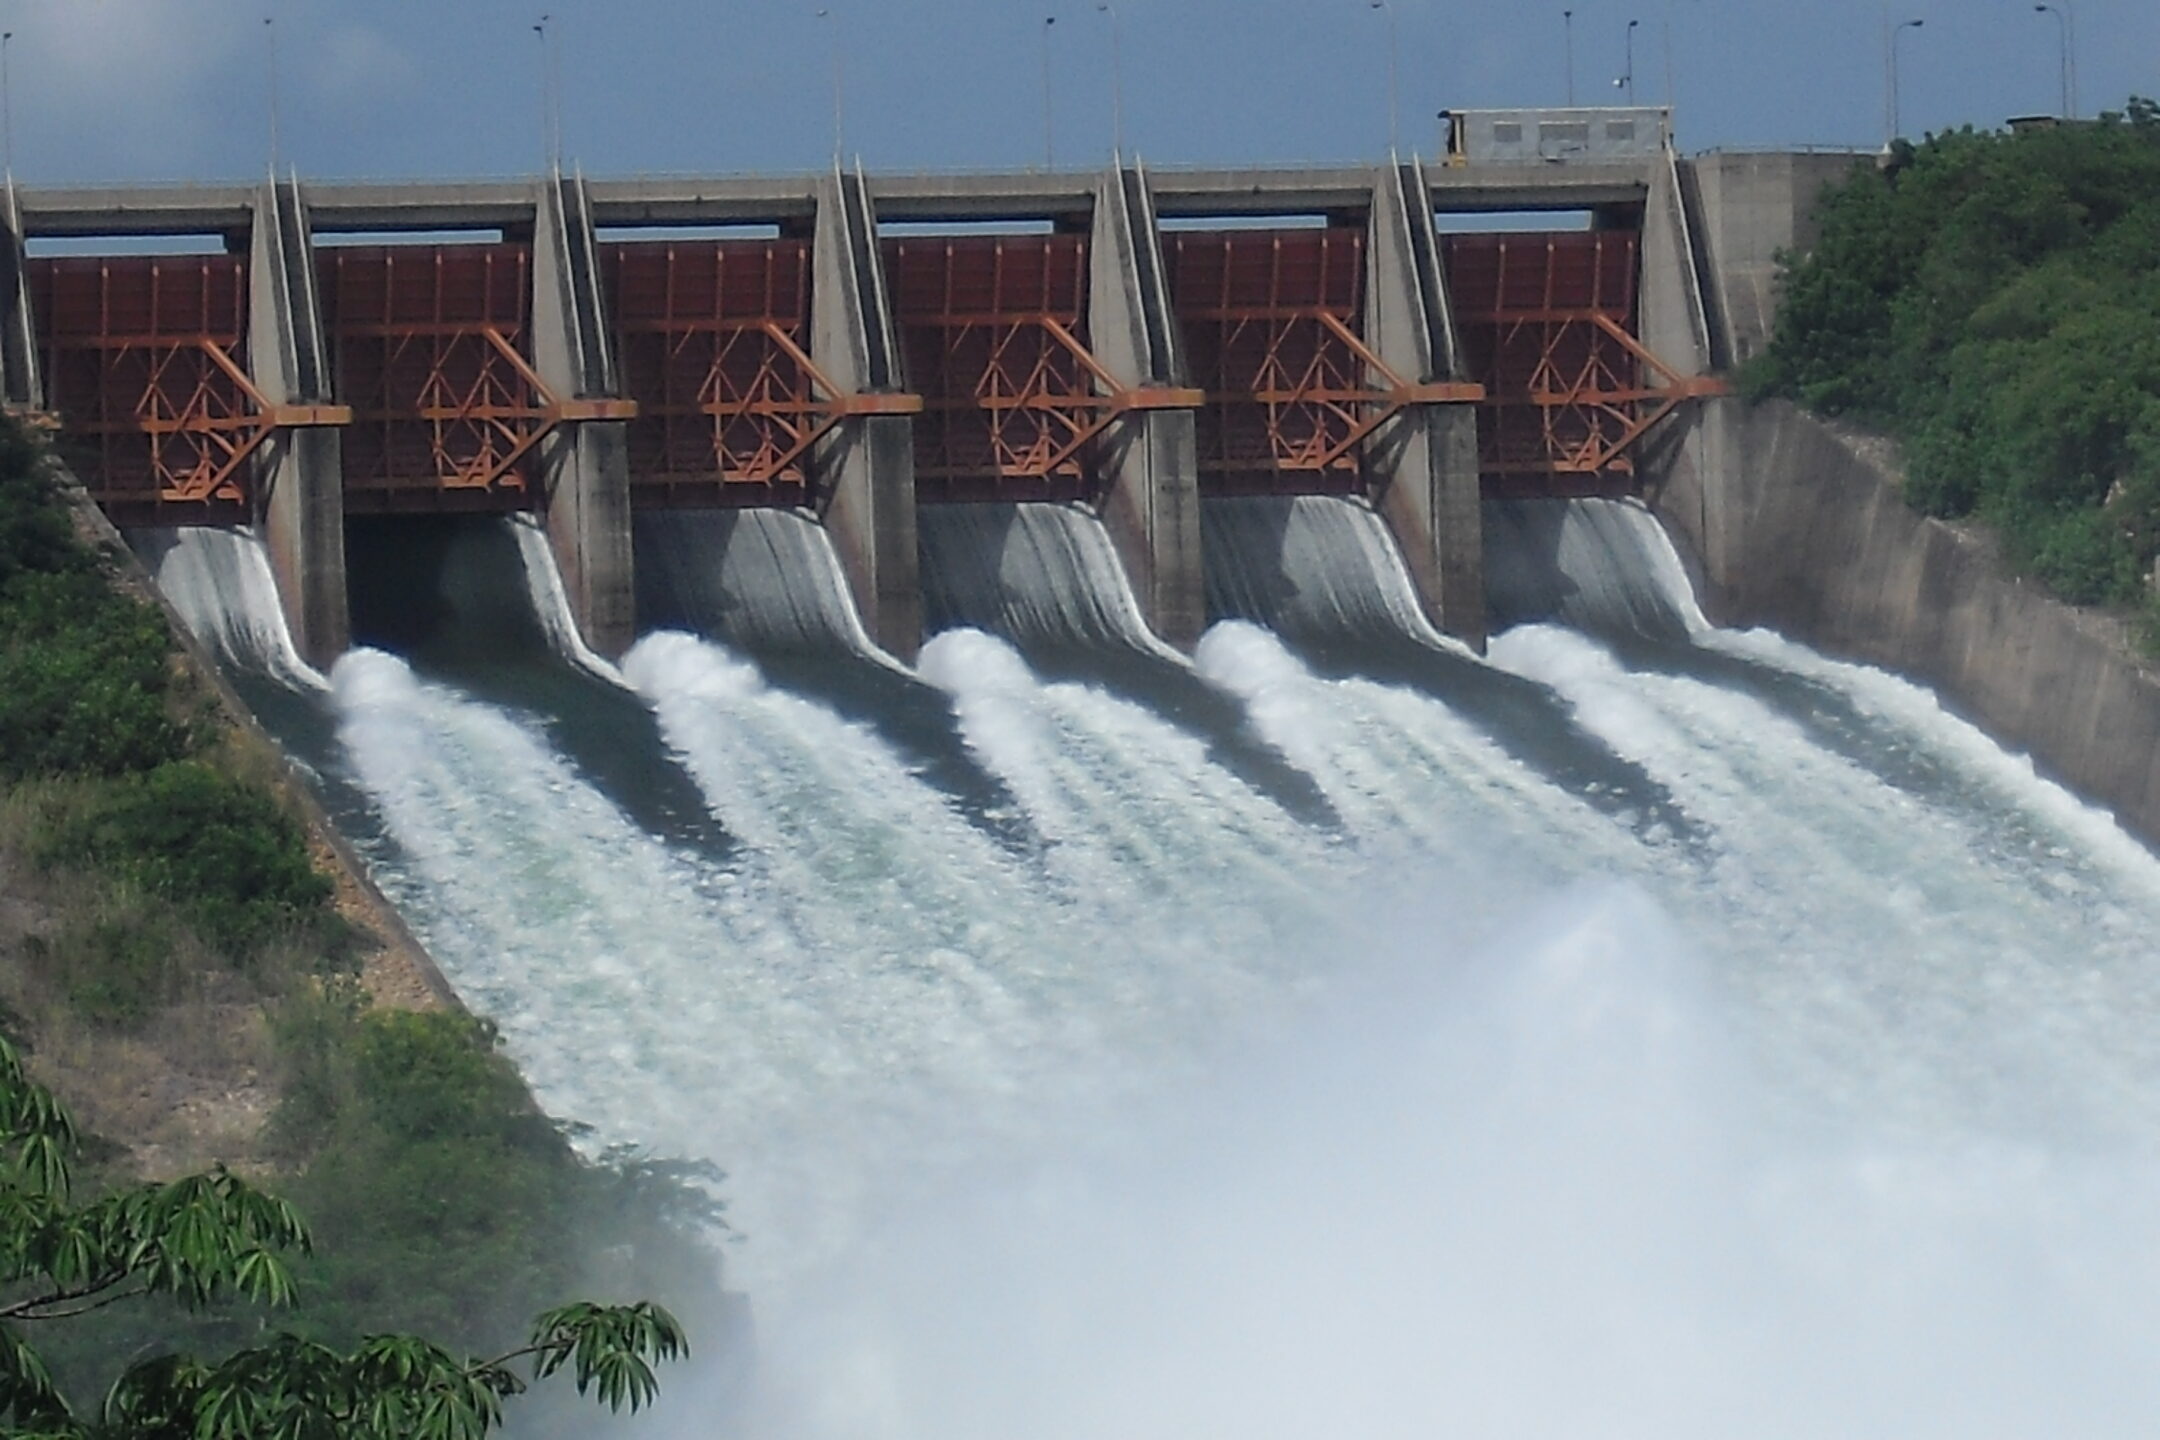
<point>212,1238</point>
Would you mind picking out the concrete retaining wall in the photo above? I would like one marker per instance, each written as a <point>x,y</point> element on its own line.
<point>1801,528</point>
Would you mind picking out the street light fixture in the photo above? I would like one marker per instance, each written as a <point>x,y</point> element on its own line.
<point>7,106</point>
<point>1394,89</point>
<point>2066,32</point>
<point>1049,115</point>
<point>1626,82</point>
<point>1897,122</point>
<point>1567,28</point>
<point>1117,80</point>
<point>839,114</point>
<point>270,33</point>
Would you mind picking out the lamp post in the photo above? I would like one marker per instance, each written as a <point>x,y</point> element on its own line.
<point>1567,30</point>
<point>2066,64</point>
<point>550,102</point>
<point>1626,82</point>
<point>832,23</point>
<point>7,106</point>
<point>1117,80</point>
<point>1049,113</point>
<point>270,33</point>
<point>1394,88</point>
<point>1897,122</point>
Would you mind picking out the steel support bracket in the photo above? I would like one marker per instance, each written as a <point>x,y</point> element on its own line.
<point>852,406</point>
<point>307,417</point>
<point>571,412</point>
<point>1438,392</point>
<point>1161,397</point>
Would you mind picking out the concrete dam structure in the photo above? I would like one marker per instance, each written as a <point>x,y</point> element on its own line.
<point>855,347</point>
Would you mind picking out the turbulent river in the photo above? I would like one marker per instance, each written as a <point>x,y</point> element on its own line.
<point>1643,1030</point>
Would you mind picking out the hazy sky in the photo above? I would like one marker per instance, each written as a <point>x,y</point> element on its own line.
<point>178,89</point>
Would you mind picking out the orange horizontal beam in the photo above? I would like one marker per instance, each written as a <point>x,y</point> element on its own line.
<point>570,411</point>
<point>874,404</point>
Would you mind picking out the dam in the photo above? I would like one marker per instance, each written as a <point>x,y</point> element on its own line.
<point>865,349</point>
<point>1155,948</point>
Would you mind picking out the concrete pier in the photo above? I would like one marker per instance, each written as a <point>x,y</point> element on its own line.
<point>585,462</point>
<point>300,490</point>
<point>866,467</point>
<point>1151,496</point>
<point>1424,463</point>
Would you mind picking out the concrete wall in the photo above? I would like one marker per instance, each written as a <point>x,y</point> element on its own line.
<point>300,474</point>
<point>1424,463</point>
<point>1801,528</point>
<point>1151,497</point>
<point>866,467</point>
<point>1751,208</point>
<point>585,465</point>
<point>1675,312</point>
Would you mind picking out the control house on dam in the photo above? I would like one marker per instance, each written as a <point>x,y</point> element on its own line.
<point>852,347</point>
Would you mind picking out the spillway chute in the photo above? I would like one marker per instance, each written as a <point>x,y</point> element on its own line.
<point>220,582</point>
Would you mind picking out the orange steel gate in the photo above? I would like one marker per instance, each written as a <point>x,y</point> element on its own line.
<point>1548,324</point>
<point>146,368</point>
<point>430,346</point>
<point>1273,323</point>
<point>994,329</point>
<point>713,340</point>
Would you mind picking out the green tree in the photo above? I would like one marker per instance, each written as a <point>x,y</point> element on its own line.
<point>212,1238</point>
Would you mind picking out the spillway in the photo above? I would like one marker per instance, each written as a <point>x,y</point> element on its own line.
<point>1654,1031</point>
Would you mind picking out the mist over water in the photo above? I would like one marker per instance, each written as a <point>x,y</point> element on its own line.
<point>1654,1031</point>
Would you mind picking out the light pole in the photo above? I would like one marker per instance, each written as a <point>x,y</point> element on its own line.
<point>832,23</point>
<point>2066,66</point>
<point>1117,80</point>
<point>1567,30</point>
<point>270,32</point>
<point>550,117</point>
<point>1394,88</point>
<point>1626,82</point>
<point>1049,111</point>
<point>1897,122</point>
<point>7,106</point>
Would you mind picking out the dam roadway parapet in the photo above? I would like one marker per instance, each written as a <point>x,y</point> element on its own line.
<point>853,346</point>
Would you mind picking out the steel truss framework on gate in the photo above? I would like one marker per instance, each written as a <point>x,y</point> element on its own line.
<point>713,341</point>
<point>1273,322</point>
<point>429,345</point>
<point>1015,403</point>
<point>141,359</point>
<point>1548,322</point>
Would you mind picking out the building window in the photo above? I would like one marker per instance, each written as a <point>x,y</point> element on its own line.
<point>1563,133</point>
<point>1507,132</point>
<point>1621,130</point>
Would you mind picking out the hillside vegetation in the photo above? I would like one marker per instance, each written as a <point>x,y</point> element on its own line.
<point>1992,301</point>
<point>173,964</point>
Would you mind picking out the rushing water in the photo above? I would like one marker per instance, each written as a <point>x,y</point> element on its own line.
<point>1648,1030</point>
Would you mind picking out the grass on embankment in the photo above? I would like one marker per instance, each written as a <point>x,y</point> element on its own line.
<point>1992,301</point>
<point>174,962</point>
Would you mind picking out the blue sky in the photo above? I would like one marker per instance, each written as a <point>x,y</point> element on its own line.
<point>176,89</point>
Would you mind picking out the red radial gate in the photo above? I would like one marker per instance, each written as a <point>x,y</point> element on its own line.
<point>994,328</point>
<point>145,367</point>
<point>713,338</point>
<point>430,345</point>
<point>1548,324</point>
<point>1274,330</point>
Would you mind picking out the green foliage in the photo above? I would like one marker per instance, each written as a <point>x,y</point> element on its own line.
<point>1993,300</point>
<point>449,1203</point>
<point>223,854</point>
<point>211,1238</point>
<point>117,971</point>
